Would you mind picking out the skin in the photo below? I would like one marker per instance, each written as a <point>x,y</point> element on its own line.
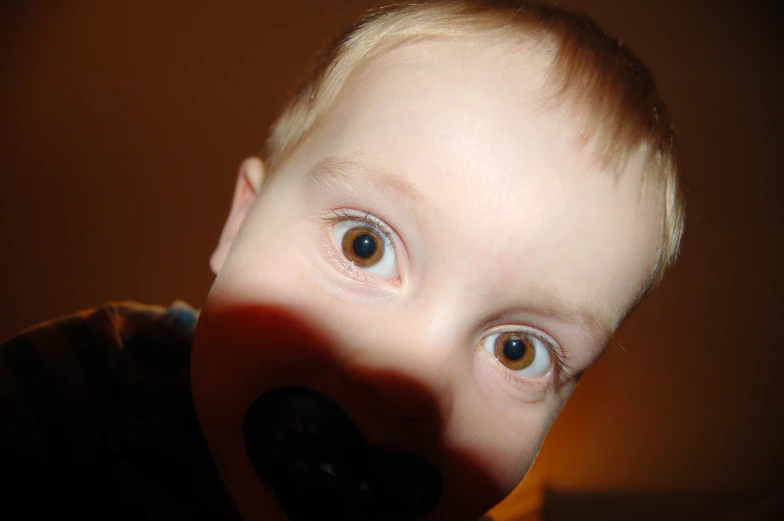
<point>501,220</point>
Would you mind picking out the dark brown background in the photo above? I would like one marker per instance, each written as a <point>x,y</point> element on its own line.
<point>122,125</point>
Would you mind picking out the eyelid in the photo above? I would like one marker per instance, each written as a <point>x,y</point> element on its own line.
<point>336,216</point>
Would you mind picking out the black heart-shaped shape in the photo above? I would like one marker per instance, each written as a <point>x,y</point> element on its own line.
<point>313,457</point>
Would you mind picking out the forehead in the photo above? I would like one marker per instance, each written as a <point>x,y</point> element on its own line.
<point>500,183</point>
<point>460,89</point>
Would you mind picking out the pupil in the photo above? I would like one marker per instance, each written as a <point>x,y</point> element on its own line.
<point>514,349</point>
<point>364,246</point>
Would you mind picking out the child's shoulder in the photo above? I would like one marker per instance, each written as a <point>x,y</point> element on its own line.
<point>92,341</point>
<point>99,393</point>
<point>108,327</point>
<point>82,357</point>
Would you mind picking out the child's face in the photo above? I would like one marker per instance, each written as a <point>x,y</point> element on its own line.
<point>504,236</point>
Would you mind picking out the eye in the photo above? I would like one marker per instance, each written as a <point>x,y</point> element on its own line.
<point>522,352</point>
<point>364,244</point>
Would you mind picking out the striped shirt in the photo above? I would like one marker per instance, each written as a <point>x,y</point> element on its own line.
<point>97,420</point>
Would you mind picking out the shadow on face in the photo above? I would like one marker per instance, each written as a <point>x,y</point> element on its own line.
<point>362,428</point>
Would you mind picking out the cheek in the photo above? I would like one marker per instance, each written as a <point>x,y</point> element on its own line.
<point>502,429</point>
<point>274,262</point>
<point>506,442</point>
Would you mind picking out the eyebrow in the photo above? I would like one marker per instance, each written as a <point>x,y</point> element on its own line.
<point>582,316</point>
<point>345,175</point>
<point>579,314</point>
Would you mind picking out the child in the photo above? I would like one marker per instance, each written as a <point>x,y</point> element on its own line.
<point>454,214</point>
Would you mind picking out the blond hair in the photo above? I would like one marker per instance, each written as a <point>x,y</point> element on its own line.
<point>622,108</point>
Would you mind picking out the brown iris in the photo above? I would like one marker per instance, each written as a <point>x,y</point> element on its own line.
<point>362,246</point>
<point>515,351</point>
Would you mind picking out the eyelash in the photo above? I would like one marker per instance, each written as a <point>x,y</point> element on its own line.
<point>338,216</point>
<point>559,360</point>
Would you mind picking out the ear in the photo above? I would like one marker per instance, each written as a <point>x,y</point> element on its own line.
<point>249,181</point>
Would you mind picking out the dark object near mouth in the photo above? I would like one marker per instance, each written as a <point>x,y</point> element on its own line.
<point>310,453</point>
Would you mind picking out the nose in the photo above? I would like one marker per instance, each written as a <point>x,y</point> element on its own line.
<point>409,386</point>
